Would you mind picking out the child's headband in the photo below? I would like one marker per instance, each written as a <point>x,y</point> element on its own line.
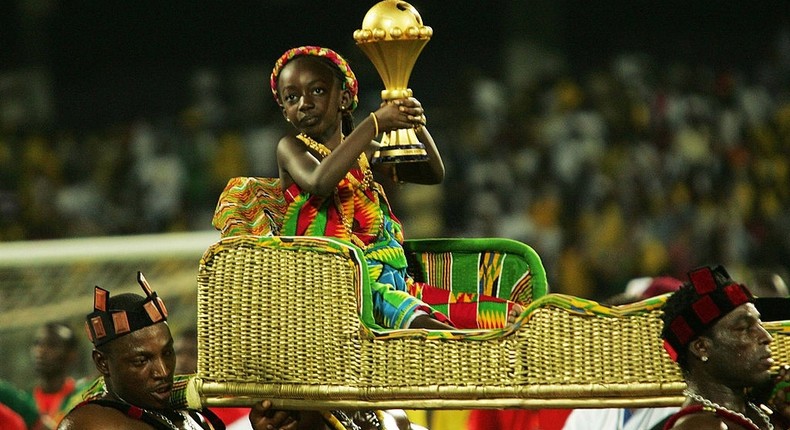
<point>351,84</point>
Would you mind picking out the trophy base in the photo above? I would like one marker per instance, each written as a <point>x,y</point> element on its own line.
<point>401,154</point>
<point>400,146</point>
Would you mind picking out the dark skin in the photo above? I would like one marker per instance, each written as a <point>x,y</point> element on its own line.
<point>738,355</point>
<point>261,414</point>
<point>52,356</point>
<point>313,100</point>
<point>138,368</point>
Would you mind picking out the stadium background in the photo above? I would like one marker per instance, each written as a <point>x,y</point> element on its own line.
<point>620,138</point>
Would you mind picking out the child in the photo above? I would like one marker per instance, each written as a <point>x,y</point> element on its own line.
<point>329,188</point>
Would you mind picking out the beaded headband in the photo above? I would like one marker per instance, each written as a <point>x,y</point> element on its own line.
<point>130,312</point>
<point>351,84</point>
<point>716,297</point>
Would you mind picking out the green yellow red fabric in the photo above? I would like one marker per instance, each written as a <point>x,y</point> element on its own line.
<point>244,208</point>
<point>251,207</point>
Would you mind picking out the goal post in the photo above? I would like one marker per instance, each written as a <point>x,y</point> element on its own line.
<point>53,280</point>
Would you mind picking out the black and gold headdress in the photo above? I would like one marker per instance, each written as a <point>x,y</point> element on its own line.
<point>123,314</point>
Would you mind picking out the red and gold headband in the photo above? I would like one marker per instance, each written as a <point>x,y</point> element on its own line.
<point>126,314</point>
<point>351,84</point>
<point>714,299</point>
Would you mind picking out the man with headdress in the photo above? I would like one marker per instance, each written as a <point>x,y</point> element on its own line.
<point>713,330</point>
<point>133,351</point>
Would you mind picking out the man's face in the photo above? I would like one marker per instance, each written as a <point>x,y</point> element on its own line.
<point>139,367</point>
<point>50,352</point>
<point>740,354</point>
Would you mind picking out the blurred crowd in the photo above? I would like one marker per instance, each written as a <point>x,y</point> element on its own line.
<point>149,175</point>
<point>640,169</point>
<point>635,169</point>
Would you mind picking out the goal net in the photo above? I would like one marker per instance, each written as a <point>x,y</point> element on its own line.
<point>53,280</point>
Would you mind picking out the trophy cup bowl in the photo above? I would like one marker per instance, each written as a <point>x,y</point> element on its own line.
<point>392,37</point>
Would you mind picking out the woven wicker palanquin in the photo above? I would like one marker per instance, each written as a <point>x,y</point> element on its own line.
<point>289,319</point>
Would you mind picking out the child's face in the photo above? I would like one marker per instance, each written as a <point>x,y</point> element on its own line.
<point>312,97</point>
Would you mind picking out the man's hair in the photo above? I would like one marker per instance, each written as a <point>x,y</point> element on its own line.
<point>64,332</point>
<point>696,306</point>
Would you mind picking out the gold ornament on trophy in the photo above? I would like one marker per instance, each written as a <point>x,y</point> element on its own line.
<point>392,36</point>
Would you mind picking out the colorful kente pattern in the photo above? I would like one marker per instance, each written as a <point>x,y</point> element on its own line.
<point>251,207</point>
<point>376,230</point>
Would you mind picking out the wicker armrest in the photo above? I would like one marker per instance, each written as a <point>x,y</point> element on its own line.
<point>285,319</point>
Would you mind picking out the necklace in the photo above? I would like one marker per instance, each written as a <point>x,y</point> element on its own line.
<point>167,420</point>
<point>184,416</point>
<point>321,149</point>
<point>712,405</point>
<point>161,416</point>
<point>347,220</point>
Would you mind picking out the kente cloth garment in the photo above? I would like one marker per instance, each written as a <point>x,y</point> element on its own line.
<point>250,206</point>
<point>362,215</point>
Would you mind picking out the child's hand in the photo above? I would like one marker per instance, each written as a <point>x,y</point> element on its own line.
<point>400,113</point>
<point>514,313</point>
<point>262,417</point>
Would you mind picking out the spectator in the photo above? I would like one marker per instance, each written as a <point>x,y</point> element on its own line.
<point>54,354</point>
<point>10,419</point>
<point>19,403</point>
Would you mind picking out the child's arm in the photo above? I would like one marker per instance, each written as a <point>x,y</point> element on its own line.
<point>320,177</point>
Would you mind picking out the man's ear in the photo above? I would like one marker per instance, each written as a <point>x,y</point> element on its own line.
<point>285,115</point>
<point>700,347</point>
<point>100,361</point>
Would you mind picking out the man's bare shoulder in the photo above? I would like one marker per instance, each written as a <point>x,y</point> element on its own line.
<point>97,417</point>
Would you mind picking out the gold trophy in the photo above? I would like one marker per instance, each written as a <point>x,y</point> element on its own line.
<point>392,36</point>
